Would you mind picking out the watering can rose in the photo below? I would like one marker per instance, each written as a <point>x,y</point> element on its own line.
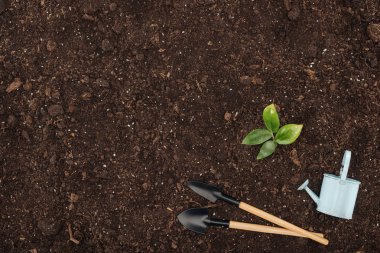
<point>273,134</point>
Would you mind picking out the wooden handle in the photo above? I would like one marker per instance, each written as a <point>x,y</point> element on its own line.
<point>282,223</point>
<point>265,229</point>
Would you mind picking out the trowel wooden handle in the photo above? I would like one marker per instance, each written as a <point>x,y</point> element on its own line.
<point>265,229</point>
<point>282,223</point>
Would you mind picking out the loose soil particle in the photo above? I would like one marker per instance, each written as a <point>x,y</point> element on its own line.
<point>106,45</point>
<point>102,82</point>
<point>113,6</point>
<point>374,32</point>
<point>55,110</point>
<point>128,99</point>
<point>49,226</point>
<point>294,12</point>
<point>51,45</point>
<point>245,80</point>
<point>227,116</point>
<point>27,86</point>
<point>14,85</point>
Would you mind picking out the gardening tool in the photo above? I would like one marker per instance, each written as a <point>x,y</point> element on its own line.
<point>212,194</point>
<point>338,194</point>
<point>197,220</point>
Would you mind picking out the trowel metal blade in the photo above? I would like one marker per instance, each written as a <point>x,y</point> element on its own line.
<point>194,219</point>
<point>207,191</point>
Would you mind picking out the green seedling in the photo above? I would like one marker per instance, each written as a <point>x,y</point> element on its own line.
<point>273,134</point>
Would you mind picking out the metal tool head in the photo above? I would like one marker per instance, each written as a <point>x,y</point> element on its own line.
<point>211,193</point>
<point>207,191</point>
<point>194,219</point>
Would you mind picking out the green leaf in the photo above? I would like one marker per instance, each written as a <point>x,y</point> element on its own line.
<point>257,136</point>
<point>288,134</point>
<point>266,149</point>
<point>271,120</point>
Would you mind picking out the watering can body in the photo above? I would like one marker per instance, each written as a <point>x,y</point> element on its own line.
<point>338,197</point>
<point>338,193</point>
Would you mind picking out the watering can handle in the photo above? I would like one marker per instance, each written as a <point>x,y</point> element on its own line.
<point>345,164</point>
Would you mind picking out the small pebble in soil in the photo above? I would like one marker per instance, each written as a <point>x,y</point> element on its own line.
<point>53,159</point>
<point>78,235</point>
<point>85,79</point>
<point>294,13</point>
<point>28,86</point>
<point>25,135</point>
<point>11,120</point>
<point>312,50</point>
<point>246,80</point>
<point>71,108</point>
<point>227,116</point>
<point>86,95</point>
<point>55,94</point>
<point>294,157</point>
<point>28,120</point>
<point>73,197</point>
<point>373,31</point>
<point>145,186</point>
<point>88,17</point>
<point>48,91</point>
<point>60,124</point>
<point>106,45</point>
<point>255,66</point>
<point>333,86</point>
<point>371,59</point>
<point>51,45</point>
<point>300,98</point>
<point>287,5</point>
<point>45,132</point>
<point>102,82</point>
<point>113,6</point>
<point>295,179</point>
<point>117,27</point>
<point>49,226</point>
<point>14,85</point>
<point>313,167</point>
<point>310,73</point>
<point>257,80</point>
<point>55,110</point>
<point>176,108</point>
<point>139,57</point>
<point>174,245</point>
<point>90,7</point>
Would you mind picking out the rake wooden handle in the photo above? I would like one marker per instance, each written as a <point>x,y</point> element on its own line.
<point>265,229</point>
<point>281,222</point>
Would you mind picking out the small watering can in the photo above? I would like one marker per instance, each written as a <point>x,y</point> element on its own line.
<point>338,194</point>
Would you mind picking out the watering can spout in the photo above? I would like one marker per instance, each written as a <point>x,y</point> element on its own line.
<point>305,187</point>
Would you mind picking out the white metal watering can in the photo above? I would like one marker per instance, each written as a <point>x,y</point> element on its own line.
<point>338,194</point>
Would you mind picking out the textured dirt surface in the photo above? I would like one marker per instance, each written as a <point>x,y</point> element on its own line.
<point>108,108</point>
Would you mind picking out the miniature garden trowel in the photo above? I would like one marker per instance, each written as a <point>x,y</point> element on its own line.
<point>197,220</point>
<point>213,194</point>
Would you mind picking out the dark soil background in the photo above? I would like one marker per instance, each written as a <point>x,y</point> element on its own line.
<point>108,108</point>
